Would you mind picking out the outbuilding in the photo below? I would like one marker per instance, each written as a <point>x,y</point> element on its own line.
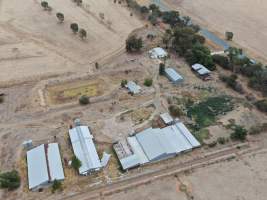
<point>173,76</point>
<point>201,70</point>
<point>133,87</point>
<point>44,166</point>
<point>158,52</point>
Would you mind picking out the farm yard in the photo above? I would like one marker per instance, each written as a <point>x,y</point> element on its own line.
<point>46,68</point>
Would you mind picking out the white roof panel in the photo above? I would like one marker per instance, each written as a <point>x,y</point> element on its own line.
<point>54,162</point>
<point>137,149</point>
<point>167,119</point>
<point>173,75</point>
<point>130,162</point>
<point>192,140</point>
<point>37,167</point>
<point>84,148</point>
<point>133,87</point>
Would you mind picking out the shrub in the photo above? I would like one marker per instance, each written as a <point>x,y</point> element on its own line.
<point>262,105</point>
<point>148,82</point>
<point>223,61</point>
<point>84,100</point>
<point>76,163</point>
<point>10,180</point>
<point>221,140</point>
<point>124,83</point>
<point>74,27</point>
<point>175,111</point>
<point>57,185</point>
<point>134,44</point>
<point>229,35</point>
<point>60,17</point>
<point>161,69</point>
<point>239,133</point>
<point>82,33</point>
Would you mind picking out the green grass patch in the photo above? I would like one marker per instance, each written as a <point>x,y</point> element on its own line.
<point>205,113</point>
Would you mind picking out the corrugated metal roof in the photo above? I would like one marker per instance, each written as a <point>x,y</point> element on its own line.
<point>192,140</point>
<point>200,69</point>
<point>130,162</point>
<point>152,147</point>
<point>105,158</point>
<point>173,75</point>
<point>158,53</point>
<point>137,149</point>
<point>84,149</point>
<point>54,162</point>
<point>37,167</point>
<point>44,165</point>
<point>133,87</point>
<point>167,119</point>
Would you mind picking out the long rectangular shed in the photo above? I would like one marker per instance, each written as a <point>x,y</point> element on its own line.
<point>173,76</point>
<point>84,149</point>
<point>44,166</point>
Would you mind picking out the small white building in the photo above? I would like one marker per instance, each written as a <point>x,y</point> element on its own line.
<point>44,166</point>
<point>133,87</point>
<point>201,70</point>
<point>173,76</point>
<point>166,118</point>
<point>84,149</point>
<point>158,53</point>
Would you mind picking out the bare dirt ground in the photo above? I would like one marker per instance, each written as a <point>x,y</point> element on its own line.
<point>247,19</point>
<point>33,43</point>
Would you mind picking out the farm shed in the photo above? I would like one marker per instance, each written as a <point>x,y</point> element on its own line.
<point>158,53</point>
<point>173,76</point>
<point>200,70</point>
<point>166,118</point>
<point>44,166</point>
<point>153,145</point>
<point>84,149</point>
<point>133,87</point>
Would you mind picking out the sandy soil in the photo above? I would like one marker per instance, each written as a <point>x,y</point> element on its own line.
<point>33,43</point>
<point>247,19</point>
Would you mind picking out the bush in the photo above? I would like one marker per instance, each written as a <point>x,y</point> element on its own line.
<point>161,69</point>
<point>74,27</point>
<point>229,35</point>
<point>148,82</point>
<point>124,83</point>
<point>134,44</point>
<point>175,111</point>
<point>10,180</point>
<point>223,61</point>
<point>262,105</point>
<point>221,140</point>
<point>84,100</point>
<point>257,129</point>
<point>57,185</point>
<point>76,163</point>
<point>60,17</point>
<point>239,133</point>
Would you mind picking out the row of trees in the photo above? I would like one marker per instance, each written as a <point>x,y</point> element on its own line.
<point>60,16</point>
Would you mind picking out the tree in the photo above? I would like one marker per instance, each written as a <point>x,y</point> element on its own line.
<point>57,185</point>
<point>229,35</point>
<point>161,69</point>
<point>171,17</point>
<point>223,61</point>
<point>45,5</point>
<point>134,44</point>
<point>82,33</point>
<point>148,82</point>
<point>239,133</point>
<point>60,17</point>
<point>84,100</point>
<point>262,105</point>
<point>175,111</point>
<point>76,163</point>
<point>124,83</point>
<point>144,10</point>
<point>200,54</point>
<point>10,180</point>
<point>74,27</point>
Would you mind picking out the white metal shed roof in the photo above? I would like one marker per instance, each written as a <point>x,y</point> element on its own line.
<point>84,149</point>
<point>137,149</point>
<point>133,87</point>
<point>173,75</point>
<point>44,165</point>
<point>167,119</point>
<point>200,69</point>
<point>191,139</point>
<point>130,162</point>
<point>158,52</point>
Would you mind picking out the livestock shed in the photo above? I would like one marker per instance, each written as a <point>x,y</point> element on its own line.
<point>173,76</point>
<point>155,144</point>
<point>158,53</point>
<point>201,70</point>
<point>84,149</point>
<point>166,118</point>
<point>44,166</point>
<point>133,87</point>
